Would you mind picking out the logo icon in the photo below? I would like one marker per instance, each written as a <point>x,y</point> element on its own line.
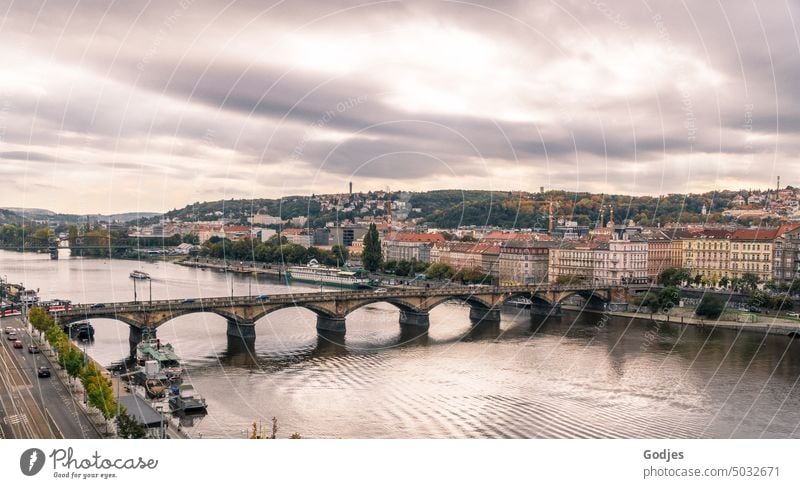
<point>31,461</point>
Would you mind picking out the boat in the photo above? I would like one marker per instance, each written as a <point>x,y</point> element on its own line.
<point>186,401</point>
<point>155,387</point>
<point>318,274</point>
<point>83,330</point>
<point>139,275</point>
<point>159,361</point>
<point>520,302</point>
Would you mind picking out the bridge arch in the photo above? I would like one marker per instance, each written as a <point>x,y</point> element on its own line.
<point>62,321</point>
<point>470,299</point>
<point>266,310</point>
<point>594,298</point>
<point>539,299</point>
<point>401,304</point>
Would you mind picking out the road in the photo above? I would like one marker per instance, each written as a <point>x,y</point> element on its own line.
<point>33,407</point>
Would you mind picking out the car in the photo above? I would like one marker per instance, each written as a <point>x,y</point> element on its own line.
<point>98,305</point>
<point>12,336</point>
<point>43,372</point>
<point>263,297</point>
<point>793,314</point>
<point>188,300</point>
<point>9,330</point>
<point>17,344</point>
<point>380,290</point>
<point>33,349</point>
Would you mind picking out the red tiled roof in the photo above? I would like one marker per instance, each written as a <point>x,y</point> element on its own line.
<point>475,247</point>
<point>520,236</point>
<point>415,237</point>
<point>760,234</point>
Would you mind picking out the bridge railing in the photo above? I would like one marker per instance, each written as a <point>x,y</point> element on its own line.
<point>216,302</point>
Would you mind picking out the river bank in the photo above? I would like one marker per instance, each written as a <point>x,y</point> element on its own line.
<point>775,325</point>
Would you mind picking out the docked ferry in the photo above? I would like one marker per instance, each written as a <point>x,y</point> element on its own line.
<point>315,273</point>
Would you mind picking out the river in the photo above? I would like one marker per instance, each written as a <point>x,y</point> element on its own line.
<point>582,375</point>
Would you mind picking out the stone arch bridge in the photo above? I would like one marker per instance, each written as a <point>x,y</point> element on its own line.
<point>333,307</point>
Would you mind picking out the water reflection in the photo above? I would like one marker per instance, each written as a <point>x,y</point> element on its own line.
<point>578,375</point>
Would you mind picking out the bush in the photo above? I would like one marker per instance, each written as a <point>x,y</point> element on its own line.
<point>710,307</point>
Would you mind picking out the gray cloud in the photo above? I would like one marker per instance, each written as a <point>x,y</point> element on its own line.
<point>215,99</point>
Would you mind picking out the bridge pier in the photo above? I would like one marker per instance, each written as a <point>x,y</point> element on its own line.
<point>421,320</point>
<point>241,329</point>
<point>134,338</point>
<point>330,324</point>
<point>483,314</point>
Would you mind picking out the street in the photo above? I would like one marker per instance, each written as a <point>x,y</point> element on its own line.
<point>33,407</point>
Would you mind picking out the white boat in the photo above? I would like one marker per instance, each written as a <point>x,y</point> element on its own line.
<point>139,275</point>
<point>315,273</point>
<point>520,302</point>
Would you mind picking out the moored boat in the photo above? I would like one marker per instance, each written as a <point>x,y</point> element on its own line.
<point>318,274</point>
<point>520,302</point>
<point>159,360</point>
<point>187,401</point>
<point>139,275</point>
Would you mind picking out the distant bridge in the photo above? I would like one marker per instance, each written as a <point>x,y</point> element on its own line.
<point>332,308</point>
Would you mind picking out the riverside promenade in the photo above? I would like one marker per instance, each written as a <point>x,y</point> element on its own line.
<point>769,324</point>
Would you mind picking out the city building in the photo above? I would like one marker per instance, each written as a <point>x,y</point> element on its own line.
<point>573,260</point>
<point>707,253</point>
<point>410,246</point>
<point>751,252</point>
<point>621,261</point>
<point>477,256</point>
<point>298,236</point>
<point>345,235</point>
<point>524,261</point>
<point>786,251</point>
<point>661,253</point>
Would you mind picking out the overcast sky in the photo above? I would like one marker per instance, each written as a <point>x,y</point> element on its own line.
<point>133,105</point>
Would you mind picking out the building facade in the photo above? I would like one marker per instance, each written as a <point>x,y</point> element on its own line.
<point>751,252</point>
<point>621,262</point>
<point>660,254</point>
<point>786,256</point>
<point>707,253</point>
<point>410,246</point>
<point>523,262</point>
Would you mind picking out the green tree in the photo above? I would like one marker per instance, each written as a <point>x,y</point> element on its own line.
<point>698,278</point>
<point>128,427</point>
<point>750,281</point>
<point>649,300</point>
<point>98,391</point>
<point>439,271</point>
<point>73,362</point>
<point>669,298</point>
<point>372,256</point>
<point>724,282</point>
<point>340,253</point>
<point>710,307</point>
<point>403,268</point>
